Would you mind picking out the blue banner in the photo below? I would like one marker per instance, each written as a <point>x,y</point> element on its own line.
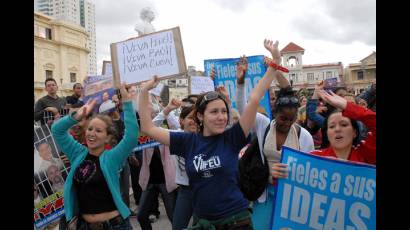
<point>144,142</point>
<point>325,193</point>
<point>226,76</point>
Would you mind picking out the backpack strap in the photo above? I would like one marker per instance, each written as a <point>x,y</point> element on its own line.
<point>297,126</point>
<point>298,129</point>
<point>264,135</point>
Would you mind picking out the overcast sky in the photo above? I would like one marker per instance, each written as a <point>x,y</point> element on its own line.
<point>328,30</point>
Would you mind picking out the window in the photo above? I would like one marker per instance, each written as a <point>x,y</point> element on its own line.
<point>48,33</point>
<point>293,77</point>
<point>292,61</point>
<point>328,74</point>
<point>360,75</point>
<point>73,77</point>
<point>49,74</point>
<point>310,76</point>
<point>41,32</point>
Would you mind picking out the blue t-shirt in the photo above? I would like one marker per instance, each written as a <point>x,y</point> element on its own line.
<point>212,168</point>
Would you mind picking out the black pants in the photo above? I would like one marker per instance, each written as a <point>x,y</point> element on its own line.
<point>135,175</point>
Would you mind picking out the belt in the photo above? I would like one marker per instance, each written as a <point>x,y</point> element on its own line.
<point>234,225</point>
<point>105,224</point>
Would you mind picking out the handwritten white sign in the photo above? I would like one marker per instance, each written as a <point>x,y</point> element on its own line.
<point>137,60</point>
<point>201,84</point>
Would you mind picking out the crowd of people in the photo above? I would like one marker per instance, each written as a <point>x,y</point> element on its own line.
<point>195,167</point>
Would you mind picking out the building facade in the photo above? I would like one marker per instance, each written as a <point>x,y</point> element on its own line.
<point>60,52</point>
<point>78,12</point>
<point>307,76</point>
<point>361,75</point>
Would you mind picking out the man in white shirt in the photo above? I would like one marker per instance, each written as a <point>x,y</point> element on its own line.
<point>44,151</point>
<point>107,103</point>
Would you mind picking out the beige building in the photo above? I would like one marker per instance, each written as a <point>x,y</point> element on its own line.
<point>60,52</point>
<point>358,76</point>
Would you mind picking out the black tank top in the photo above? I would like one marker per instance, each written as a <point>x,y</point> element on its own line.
<point>93,193</point>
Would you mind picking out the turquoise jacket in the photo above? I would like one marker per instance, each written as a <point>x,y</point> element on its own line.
<point>111,161</point>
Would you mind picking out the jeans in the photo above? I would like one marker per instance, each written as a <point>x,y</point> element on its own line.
<point>148,197</point>
<point>124,225</point>
<point>262,212</point>
<point>183,208</point>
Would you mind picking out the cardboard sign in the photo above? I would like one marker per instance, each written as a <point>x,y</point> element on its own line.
<point>200,84</point>
<point>226,76</point>
<point>138,59</point>
<point>50,173</point>
<point>107,68</point>
<point>330,83</point>
<point>324,193</point>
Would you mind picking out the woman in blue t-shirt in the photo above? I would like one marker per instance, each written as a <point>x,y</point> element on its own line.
<point>211,156</point>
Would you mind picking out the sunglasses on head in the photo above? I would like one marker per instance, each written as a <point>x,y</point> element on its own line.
<point>210,96</point>
<point>287,101</point>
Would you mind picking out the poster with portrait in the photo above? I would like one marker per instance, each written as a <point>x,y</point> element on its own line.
<point>50,172</point>
<point>100,87</point>
<point>324,193</point>
<point>226,76</point>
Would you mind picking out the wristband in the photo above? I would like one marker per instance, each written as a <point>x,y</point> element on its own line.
<point>278,67</point>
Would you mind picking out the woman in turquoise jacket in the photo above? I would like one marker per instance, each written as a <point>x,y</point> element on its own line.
<point>92,191</point>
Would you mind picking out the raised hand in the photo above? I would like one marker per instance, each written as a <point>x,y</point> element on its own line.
<point>241,68</point>
<point>213,73</point>
<point>273,49</point>
<point>318,87</point>
<point>52,109</point>
<point>85,110</point>
<point>125,96</point>
<point>174,104</point>
<point>148,85</point>
<point>333,99</point>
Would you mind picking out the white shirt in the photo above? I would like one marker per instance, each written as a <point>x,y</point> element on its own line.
<point>105,106</point>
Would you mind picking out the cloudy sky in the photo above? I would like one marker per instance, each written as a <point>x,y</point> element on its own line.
<point>328,30</point>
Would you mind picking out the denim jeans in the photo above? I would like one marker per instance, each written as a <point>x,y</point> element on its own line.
<point>124,225</point>
<point>148,197</point>
<point>183,208</point>
<point>262,212</point>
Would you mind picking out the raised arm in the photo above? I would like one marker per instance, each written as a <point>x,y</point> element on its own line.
<point>167,114</point>
<point>282,81</point>
<point>129,140</point>
<point>59,130</point>
<point>241,68</point>
<point>147,126</point>
<point>311,106</point>
<point>368,147</point>
<point>247,119</point>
